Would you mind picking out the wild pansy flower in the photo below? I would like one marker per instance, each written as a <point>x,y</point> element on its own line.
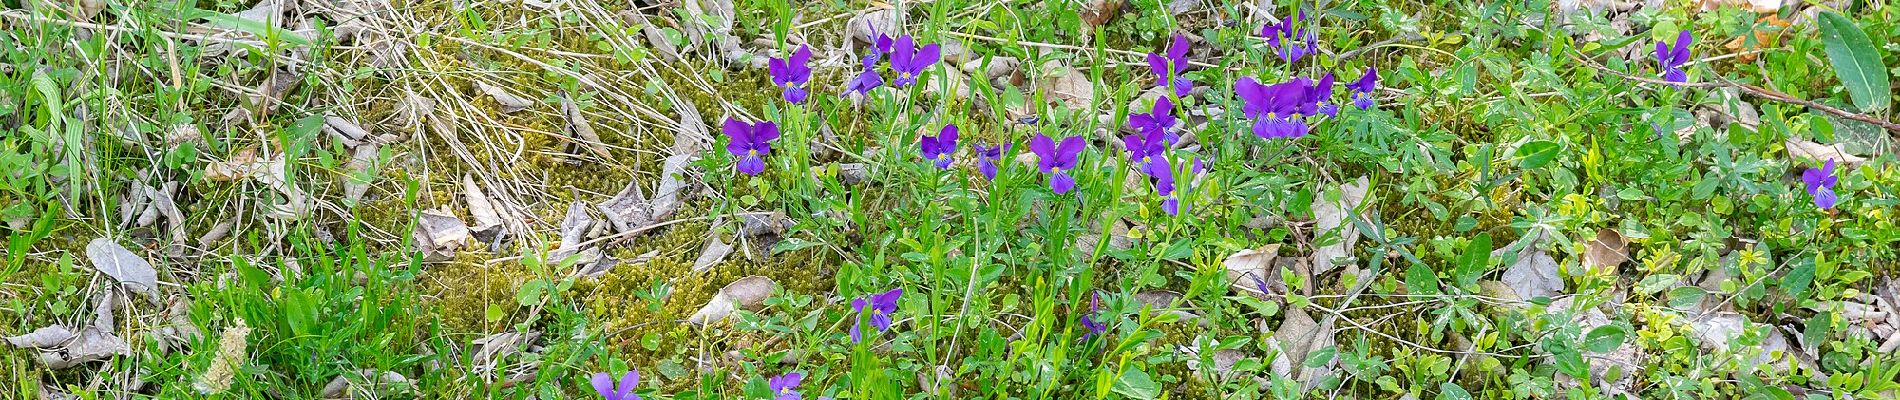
<point>792,73</point>
<point>1164,187</point>
<point>1056,160</point>
<point>1362,88</point>
<point>909,61</point>
<point>1168,69</point>
<point>1159,120</point>
<point>881,306</point>
<point>750,143</point>
<point>1088,320</point>
<point>1144,148</point>
<point>1288,42</point>
<point>1322,95</point>
<point>604,384</point>
<point>782,386</point>
<point>938,148</point>
<point>869,79</point>
<point>1670,59</point>
<point>987,157</point>
<point>1820,184</point>
<point>1279,110</point>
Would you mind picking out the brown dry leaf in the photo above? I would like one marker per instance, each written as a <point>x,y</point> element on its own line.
<point>493,348</point>
<point>1068,86</point>
<point>123,266</point>
<point>361,172</point>
<point>488,222</point>
<point>1253,268</point>
<point>580,133</point>
<point>1298,336</point>
<point>439,234</point>
<point>1768,27</point>
<point>45,337</point>
<point>364,383</point>
<point>1806,152</point>
<point>714,252</point>
<point>1534,274</point>
<point>764,225</point>
<point>1330,217</point>
<point>628,210</point>
<point>509,102</point>
<point>1606,252</point>
<point>670,192</point>
<point>1100,12</point>
<point>746,293</point>
<point>600,269</point>
<point>345,131</point>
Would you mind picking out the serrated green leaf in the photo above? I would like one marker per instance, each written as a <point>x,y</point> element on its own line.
<point>1856,62</point>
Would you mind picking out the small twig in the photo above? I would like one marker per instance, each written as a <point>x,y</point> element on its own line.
<point>1752,90</point>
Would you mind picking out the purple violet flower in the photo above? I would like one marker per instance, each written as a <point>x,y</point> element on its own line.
<point>869,79</point>
<point>987,157</point>
<point>1056,160</point>
<point>782,386</point>
<point>1288,42</point>
<point>938,148</point>
<point>792,73</point>
<point>750,143</point>
<point>1165,187</point>
<point>1159,120</point>
<point>1168,69</point>
<point>1278,110</point>
<point>1362,88</point>
<point>604,384</point>
<point>1670,59</point>
<point>909,61</point>
<point>1088,320</point>
<point>881,306</point>
<point>1144,148</point>
<point>1820,185</point>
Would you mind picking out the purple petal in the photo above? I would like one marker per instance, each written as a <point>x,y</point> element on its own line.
<point>781,73</point>
<point>857,335</point>
<point>1158,66</point>
<point>739,136</point>
<point>1067,152</point>
<point>1683,40</point>
<point>887,301</point>
<point>763,134</point>
<point>929,56</point>
<point>1044,147</point>
<point>604,384</point>
<point>801,64</point>
<point>881,321</point>
<point>751,165</point>
<point>987,167</point>
<point>1825,199</point>
<point>627,382</point>
<point>1061,182</point>
<point>942,161</point>
<point>902,52</point>
<point>1182,86</point>
<point>1171,205</point>
<point>796,95</point>
<point>947,138</point>
<point>1178,53</point>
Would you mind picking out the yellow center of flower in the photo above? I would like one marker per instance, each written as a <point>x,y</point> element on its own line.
<point>754,153</point>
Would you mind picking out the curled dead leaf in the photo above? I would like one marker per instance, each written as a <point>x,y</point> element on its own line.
<point>746,293</point>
